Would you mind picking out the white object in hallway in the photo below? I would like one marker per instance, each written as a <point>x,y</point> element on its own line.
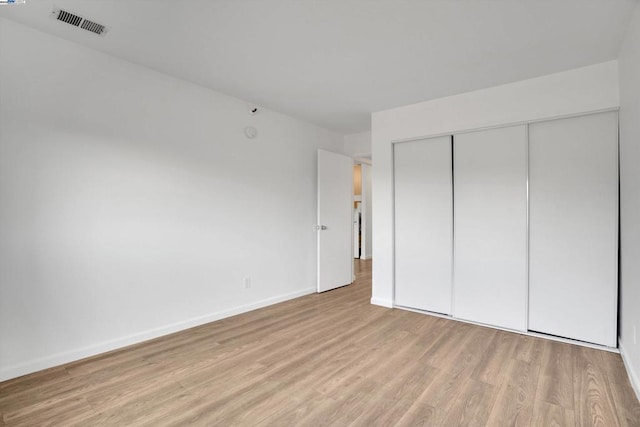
<point>357,212</point>
<point>334,228</point>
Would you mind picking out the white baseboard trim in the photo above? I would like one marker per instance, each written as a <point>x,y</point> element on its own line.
<point>631,372</point>
<point>46,362</point>
<point>382,302</point>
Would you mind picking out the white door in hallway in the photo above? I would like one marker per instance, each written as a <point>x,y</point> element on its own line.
<point>334,227</point>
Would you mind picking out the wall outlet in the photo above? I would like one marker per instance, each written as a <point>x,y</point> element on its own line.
<point>246,282</point>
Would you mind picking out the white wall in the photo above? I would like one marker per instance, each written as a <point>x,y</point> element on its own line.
<point>358,145</point>
<point>132,205</point>
<point>630,199</point>
<point>576,91</point>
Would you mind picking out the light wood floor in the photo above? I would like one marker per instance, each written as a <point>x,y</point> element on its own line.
<point>331,359</point>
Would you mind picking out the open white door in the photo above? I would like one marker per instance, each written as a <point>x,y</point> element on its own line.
<point>335,206</point>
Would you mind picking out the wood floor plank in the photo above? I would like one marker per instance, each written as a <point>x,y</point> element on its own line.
<point>473,406</point>
<point>391,402</point>
<point>48,413</point>
<point>45,392</point>
<point>296,403</point>
<point>555,384</point>
<point>548,415</point>
<point>421,414</point>
<point>296,409</point>
<point>407,357</point>
<point>447,348</point>
<point>490,369</point>
<point>525,347</point>
<point>28,382</point>
<point>159,405</point>
<point>440,395</point>
<point>516,395</point>
<point>222,411</point>
<point>345,407</point>
<point>624,401</point>
<point>361,366</point>
<point>593,404</point>
<point>331,359</point>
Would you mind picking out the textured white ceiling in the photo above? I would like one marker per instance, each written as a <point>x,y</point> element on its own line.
<point>333,62</point>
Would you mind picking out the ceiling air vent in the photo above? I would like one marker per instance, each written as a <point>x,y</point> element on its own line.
<point>94,27</point>
<point>78,21</point>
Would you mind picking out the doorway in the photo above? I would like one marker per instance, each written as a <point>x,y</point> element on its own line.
<point>361,212</point>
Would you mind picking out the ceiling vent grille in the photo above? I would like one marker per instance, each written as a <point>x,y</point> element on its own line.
<point>69,18</point>
<point>94,27</point>
<point>78,21</point>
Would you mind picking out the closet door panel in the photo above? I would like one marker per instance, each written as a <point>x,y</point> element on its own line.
<point>423,224</point>
<point>574,227</point>
<point>490,227</point>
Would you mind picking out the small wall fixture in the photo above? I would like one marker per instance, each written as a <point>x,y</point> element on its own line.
<point>250,132</point>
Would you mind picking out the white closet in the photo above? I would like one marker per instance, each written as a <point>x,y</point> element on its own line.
<point>423,224</point>
<point>515,227</point>
<point>490,223</point>
<point>574,227</point>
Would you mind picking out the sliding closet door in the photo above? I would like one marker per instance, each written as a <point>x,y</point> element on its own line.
<point>574,227</point>
<point>490,223</point>
<point>423,224</point>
